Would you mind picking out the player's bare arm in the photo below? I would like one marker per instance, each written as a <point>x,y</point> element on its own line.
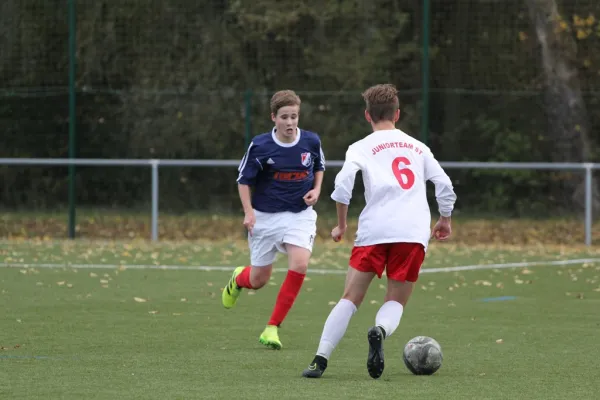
<point>342,213</point>
<point>249,217</point>
<point>312,196</point>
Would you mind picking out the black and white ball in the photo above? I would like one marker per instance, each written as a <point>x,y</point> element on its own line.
<point>422,355</point>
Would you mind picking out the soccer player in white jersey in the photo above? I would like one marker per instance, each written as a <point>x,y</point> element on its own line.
<point>285,167</point>
<point>393,228</point>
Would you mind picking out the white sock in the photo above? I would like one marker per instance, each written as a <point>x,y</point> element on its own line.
<point>388,317</point>
<point>335,327</point>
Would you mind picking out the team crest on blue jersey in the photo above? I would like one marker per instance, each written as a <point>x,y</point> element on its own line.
<point>306,159</point>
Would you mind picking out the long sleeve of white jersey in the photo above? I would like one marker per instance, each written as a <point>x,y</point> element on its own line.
<point>444,191</point>
<point>344,180</point>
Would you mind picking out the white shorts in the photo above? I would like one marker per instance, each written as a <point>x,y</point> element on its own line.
<point>273,230</point>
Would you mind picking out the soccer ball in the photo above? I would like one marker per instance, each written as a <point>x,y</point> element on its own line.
<point>422,355</point>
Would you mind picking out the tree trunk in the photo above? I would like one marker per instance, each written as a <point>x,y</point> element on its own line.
<point>568,122</point>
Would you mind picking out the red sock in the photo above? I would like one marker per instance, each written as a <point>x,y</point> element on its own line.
<point>286,297</point>
<point>243,279</point>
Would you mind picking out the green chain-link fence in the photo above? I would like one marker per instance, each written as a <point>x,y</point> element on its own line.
<point>186,79</point>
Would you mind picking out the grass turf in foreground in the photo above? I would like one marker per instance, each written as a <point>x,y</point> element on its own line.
<point>155,334</point>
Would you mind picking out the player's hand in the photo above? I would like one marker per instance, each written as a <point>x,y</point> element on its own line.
<point>442,229</point>
<point>249,221</point>
<point>337,233</point>
<point>312,197</point>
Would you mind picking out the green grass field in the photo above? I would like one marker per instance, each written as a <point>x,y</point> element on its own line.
<point>77,323</point>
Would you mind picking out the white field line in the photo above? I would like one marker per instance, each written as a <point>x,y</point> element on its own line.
<point>558,263</point>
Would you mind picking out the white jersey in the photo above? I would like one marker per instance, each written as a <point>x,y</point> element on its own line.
<point>395,168</point>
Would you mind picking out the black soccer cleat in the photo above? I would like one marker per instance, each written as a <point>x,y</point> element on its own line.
<point>316,368</point>
<point>375,363</point>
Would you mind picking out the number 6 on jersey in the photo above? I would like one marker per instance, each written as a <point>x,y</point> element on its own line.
<point>405,177</point>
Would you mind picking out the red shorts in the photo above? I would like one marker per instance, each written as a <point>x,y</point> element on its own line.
<point>401,261</point>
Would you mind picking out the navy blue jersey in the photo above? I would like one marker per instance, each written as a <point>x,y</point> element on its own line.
<point>281,173</point>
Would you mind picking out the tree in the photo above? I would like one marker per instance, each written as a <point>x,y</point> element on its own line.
<point>568,122</point>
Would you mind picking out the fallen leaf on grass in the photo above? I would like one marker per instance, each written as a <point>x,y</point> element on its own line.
<point>152,312</point>
<point>251,292</point>
<point>104,281</point>
<point>332,303</point>
<point>140,299</point>
<point>499,341</point>
<point>69,285</point>
<point>61,283</point>
<point>526,271</point>
<point>183,299</point>
<point>374,302</point>
<point>93,275</point>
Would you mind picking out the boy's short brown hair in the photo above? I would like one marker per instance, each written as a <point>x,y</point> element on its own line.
<point>382,102</point>
<point>284,98</point>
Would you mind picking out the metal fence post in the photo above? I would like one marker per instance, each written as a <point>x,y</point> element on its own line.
<point>247,118</point>
<point>72,115</point>
<point>588,203</point>
<point>425,71</point>
<point>154,218</point>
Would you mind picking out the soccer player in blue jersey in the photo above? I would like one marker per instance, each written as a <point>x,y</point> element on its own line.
<point>285,168</point>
